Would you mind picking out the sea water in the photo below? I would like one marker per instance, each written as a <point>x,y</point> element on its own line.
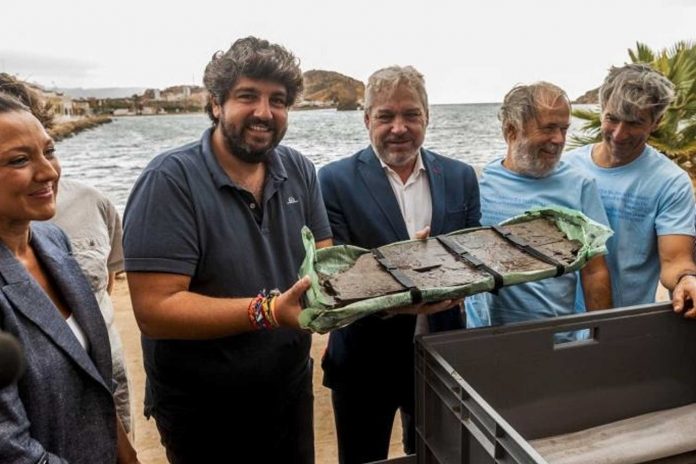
<point>110,157</point>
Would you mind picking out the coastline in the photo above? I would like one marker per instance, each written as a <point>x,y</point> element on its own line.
<point>70,127</point>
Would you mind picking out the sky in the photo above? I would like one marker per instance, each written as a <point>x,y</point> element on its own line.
<point>469,51</point>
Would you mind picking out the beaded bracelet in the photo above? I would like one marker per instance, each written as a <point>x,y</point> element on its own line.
<point>268,309</point>
<point>274,298</point>
<point>255,317</point>
<point>261,310</point>
<point>273,295</point>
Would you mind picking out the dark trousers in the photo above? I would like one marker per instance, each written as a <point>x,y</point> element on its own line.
<point>250,432</point>
<point>364,422</point>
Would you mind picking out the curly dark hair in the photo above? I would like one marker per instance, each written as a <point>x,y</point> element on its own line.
<point>254,58</point>
<point>10,85</point>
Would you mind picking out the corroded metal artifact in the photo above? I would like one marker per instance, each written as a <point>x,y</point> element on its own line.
<point>451,261</point>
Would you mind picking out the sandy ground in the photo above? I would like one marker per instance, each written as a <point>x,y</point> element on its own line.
<point>147,442</point>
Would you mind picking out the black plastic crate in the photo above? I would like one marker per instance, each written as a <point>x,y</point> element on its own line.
<point>410,459</point>
<point>482,394</point>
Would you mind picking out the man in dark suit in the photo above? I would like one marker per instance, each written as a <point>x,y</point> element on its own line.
<point>392,190</point>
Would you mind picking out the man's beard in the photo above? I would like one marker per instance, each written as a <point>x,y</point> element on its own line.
<point>395,158</point>
<point>234,140</point>
<point>530,161</point>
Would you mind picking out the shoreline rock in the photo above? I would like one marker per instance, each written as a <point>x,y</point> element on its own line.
<point>329,89</point>
<point>591,97</point>
<point>65,129</point>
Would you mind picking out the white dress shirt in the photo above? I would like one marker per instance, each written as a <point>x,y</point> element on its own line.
<point>413,196</point>
<point>416,207</point>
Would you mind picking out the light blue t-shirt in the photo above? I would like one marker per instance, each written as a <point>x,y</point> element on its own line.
<point>648,197</point>
<point>504,194</point>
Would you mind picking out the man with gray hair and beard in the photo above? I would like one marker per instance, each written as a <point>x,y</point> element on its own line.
<point>208,229</point>
<point>649,200</point>
<point>535,119</point>
<point>390,191</point>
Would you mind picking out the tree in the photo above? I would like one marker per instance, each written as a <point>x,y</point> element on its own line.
<point>675,136</point>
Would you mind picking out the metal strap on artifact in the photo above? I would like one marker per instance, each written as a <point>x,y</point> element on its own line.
<point>530,250</point>
<point>462,254</point>
<point>403,279</point>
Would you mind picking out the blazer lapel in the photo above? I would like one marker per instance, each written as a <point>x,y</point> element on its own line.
<point>71,282</point>
<point>377,184</point>
<point>437,191</point>
<point>29,298</point>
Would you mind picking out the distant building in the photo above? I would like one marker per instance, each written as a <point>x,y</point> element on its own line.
<point>176,99</point>
<point>176,93</point>
<point>152,110</point>
<point>81,107</point>
<point>62,105</point>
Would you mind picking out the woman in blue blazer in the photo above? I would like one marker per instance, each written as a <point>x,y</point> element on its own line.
<point>61,410</point>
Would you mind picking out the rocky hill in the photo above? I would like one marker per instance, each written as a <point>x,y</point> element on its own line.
<point>329,89</point>
<point>591,97</point>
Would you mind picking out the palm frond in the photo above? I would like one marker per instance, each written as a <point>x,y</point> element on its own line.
<point>643,54</point>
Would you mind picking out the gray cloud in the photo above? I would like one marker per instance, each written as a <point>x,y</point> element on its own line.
<point>44,69</point>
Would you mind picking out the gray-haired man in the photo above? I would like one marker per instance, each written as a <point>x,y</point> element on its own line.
<point>648,199</point>
<point>535,119</point>
<point>392,190</point>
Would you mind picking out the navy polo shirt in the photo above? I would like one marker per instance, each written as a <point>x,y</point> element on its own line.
<point>186,216</point>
